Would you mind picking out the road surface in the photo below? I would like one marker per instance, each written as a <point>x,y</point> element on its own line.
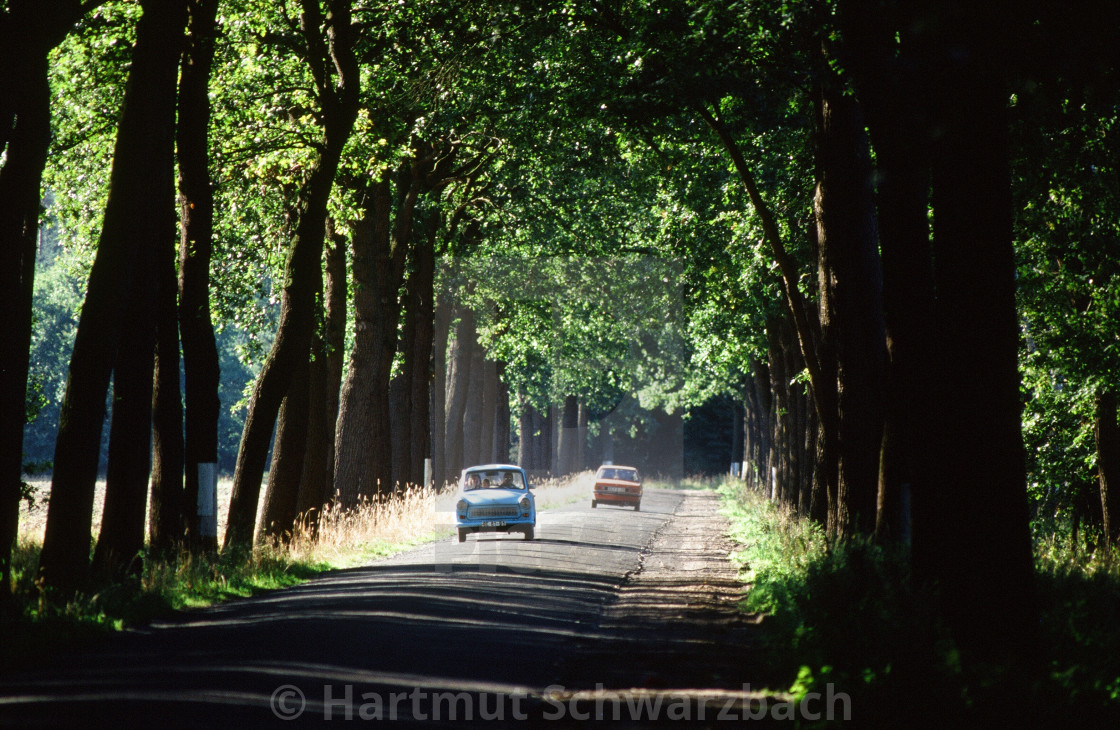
<point>609,613</point>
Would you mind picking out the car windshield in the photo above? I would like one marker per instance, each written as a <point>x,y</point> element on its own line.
<point>493,479</point>
<point>629,475</point>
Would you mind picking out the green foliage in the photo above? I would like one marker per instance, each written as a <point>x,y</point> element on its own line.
<point>1080,609</point>
<point>1065,168</point>
<point>87,75</point>
<point>56,302</point>
<point>848,613</point>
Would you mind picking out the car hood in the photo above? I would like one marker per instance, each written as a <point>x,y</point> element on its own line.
<point>493,496</point>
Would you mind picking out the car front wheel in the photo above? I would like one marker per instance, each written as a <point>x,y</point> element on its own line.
<point>529,532</point>
<point>462,534</point>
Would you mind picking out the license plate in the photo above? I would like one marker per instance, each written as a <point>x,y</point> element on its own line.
<point>494,523</point>
<point>617,490</point>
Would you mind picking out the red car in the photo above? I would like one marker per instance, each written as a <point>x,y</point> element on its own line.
<point>617,485</point>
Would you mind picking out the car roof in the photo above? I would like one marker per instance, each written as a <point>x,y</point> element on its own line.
<point>618,466</point>
<point>492,467</point>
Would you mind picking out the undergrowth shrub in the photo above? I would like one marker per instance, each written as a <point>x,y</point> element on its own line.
<point>848,613</point>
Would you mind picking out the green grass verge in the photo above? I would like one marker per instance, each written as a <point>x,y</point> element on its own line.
<point>847,613</point>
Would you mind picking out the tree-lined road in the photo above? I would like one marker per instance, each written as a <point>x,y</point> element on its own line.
<point>604,599</point>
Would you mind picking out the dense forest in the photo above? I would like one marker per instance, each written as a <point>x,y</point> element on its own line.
<point>340,247</point>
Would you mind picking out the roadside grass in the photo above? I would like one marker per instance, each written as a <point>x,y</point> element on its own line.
<point>163,585</point>
<point>847,614</point>
<point>688,482</point>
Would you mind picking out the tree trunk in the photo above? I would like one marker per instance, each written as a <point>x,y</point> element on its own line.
<point>420,297</point>
<point>339,95</point>
<point>472,412</point>
<point>488,411</point>
<point>316,486</point>
<point>130,432</point>
<point>399,425</point>
<point>975,544</point>
<point>458,385</point>
<point>775,480</point>
<point>363,447</point>
<point>502,425</point>
<point>30,31</point>
<point>202,374</point>
<point>582,422</point>
<point>166,523</point>
<point>1108,463</point>
<point>526,428</point>
<point>289,453</point>
<point>760,375</point>
<point>555,430</point>
<point>142,160</point>
<point>851,281</point>
<point>569,437</point>
<point>442,327</point>
<point>363,453</point>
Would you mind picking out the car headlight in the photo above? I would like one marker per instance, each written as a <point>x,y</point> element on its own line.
<point>523,503</point>
<point>461,507</point>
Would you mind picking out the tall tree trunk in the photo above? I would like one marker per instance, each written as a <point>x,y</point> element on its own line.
<point>547,441</point>
<point>851,282</point>
<point>809,450</point>
<point>363,447</point>
<point>975,543</point>
<point>130,432</point>
<point>582,423</point>
<point>142,159</point>
<point>442,327</point>
<point>458,385</point>
<point>400,422</point>
<point>202,373</point>
<point>472,412</point>
<point>555,431</point>
<point>775,480</point>
<point>1107,434</point>
<point>419,296</point>
<point>417,347</point>
<point>502,425</point>
<point>524,432</point>
<point>316,486</point>
<point>879,45</point>
<point>569,436</point>
<point>339,97</point>
<point>289,454</point>
<point>355,429</point>
<point>166,523</point>
<point>30,30</point>
<point>488,411</point>
<point>760,375</point>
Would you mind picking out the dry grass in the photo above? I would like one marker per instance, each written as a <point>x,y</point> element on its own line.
<point>346,537</point>
<point>383,526</point>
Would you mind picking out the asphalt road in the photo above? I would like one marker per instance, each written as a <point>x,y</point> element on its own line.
<point>609,613</point>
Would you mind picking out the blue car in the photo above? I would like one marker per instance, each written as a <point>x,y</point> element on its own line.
<point>495,498</point>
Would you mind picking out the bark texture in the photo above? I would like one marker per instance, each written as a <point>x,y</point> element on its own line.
<point>338,94</point>
<point>141,163</point>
